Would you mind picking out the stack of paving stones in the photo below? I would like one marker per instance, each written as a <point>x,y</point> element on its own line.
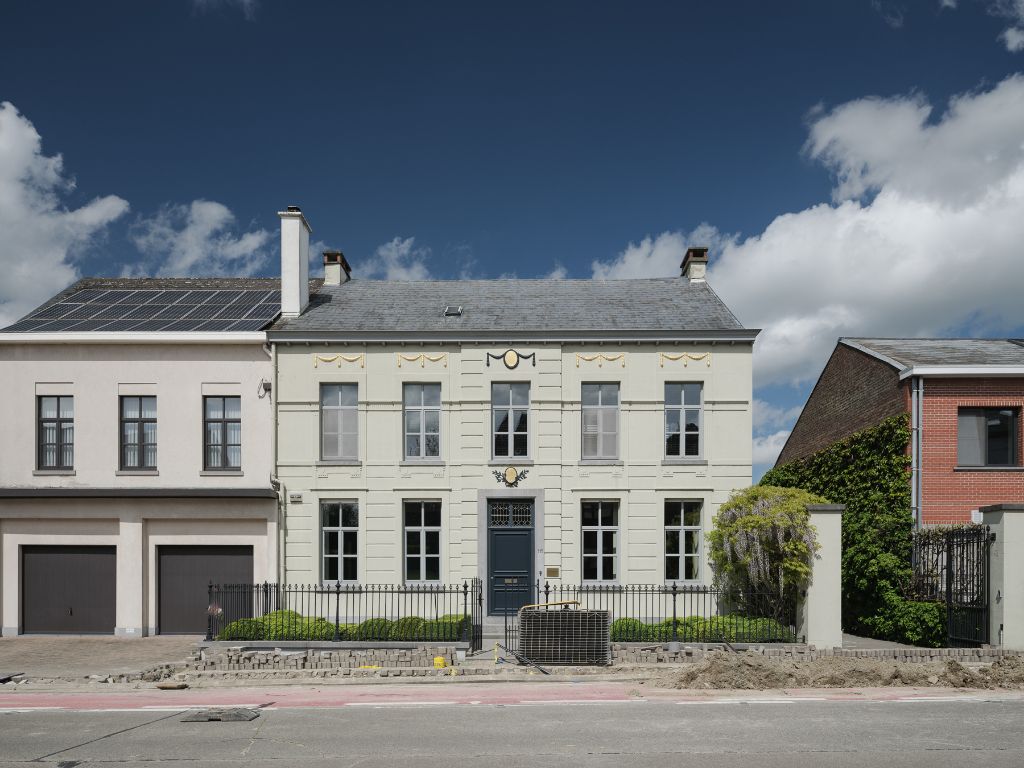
<point>335,659</point>
<point>623,653</point>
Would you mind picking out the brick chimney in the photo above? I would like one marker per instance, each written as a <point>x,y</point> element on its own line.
<point>295,231</point>
<point>695,264</point>
<point>336,268</point>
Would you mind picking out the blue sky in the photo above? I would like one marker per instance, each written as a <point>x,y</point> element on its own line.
<point>813,145</point>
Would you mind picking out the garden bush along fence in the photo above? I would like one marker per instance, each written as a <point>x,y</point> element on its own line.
<point>662,613</point>
<point>347,612</point>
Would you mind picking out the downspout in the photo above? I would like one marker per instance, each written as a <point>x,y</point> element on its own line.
<point>916,411</point>
<point>279,576</point>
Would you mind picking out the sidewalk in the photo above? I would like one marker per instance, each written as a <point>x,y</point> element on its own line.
<point>63,656</point>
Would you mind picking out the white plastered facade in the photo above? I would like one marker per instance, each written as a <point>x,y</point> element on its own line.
<point>179,504</point>
<point>641,479</point>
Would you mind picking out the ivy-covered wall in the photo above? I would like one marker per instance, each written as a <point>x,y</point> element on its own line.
<point>869,472</point>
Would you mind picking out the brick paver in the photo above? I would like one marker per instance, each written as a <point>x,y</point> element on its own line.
<point>80,656</point>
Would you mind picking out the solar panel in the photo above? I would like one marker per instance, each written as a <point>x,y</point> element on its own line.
<point>208,309</point>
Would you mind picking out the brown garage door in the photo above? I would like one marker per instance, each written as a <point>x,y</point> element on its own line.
<point>185,575</point>
<point>68,589</point>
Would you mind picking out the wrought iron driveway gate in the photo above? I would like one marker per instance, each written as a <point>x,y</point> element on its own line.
<point>953,567</point>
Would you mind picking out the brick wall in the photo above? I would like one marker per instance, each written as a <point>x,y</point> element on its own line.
<point>854,392</point>
<point>949,496</point>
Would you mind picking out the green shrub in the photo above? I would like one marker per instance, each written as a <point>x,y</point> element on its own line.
<point>407,628</point>
<point>450,628</point>
<point>914,622</point>
<point>695,629</point>
<point>242,629</point>
<point>762,542</point>
<point>869,473</point>
<point>374,629</point>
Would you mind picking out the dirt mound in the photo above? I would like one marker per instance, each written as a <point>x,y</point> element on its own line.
<point>752,671</point>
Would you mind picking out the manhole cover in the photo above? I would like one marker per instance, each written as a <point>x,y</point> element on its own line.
<point>232,715</point>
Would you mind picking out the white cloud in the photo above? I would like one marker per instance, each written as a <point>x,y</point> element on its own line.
<point>558,273</point>
<point>248,7</point>
<point>39,236</point>
<point>197,239</point>
<point>768,447</point>
<point>768,416</point>
<point>1013,39</point>
<point>892,14</point>
<point>936,250</point>
<point>661,256</point>
<point>398,259</point>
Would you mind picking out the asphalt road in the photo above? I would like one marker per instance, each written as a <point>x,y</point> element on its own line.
<point>650,733</point>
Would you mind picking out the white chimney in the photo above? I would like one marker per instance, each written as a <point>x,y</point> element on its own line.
<point>336,268</point>
<point>695,264</point>
<point>295,231</point>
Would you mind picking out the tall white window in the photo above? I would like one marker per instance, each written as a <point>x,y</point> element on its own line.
<point>339,422</point>
<point>682,540</point>
<point>683,419</point>
<point>510,404</point>
<point>600,421</point>
<point>422,420</point>
<point>600,540</point>
<point>339,523</point>
<point>422,540</point>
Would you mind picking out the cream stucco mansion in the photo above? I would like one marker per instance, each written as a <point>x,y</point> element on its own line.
<point>372,432</point>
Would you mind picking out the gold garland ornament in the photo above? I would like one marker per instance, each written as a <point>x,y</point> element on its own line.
<point>423,358</point>
<point>601,359</point>
<point>339,359</point>
<point>686,357</point>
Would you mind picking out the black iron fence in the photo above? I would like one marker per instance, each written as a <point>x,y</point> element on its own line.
<point>347,612</point>
<point>660,613</point>
<point>951,566</point>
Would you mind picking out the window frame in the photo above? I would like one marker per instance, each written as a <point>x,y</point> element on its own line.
<point>681,409</point>
<point>600,408</point>
<point>681,556</point>
<point>140,444</point>
<point>422,408</point>
<point>354,409</point>
<point>1014,457</point>
<point>342,531</point>
<point>511,432</point>
<point>600,529</point>
<point>223,423</point>
<point>422,529</point>
<point>59,422</point>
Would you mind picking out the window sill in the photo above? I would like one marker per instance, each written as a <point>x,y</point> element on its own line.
<point>988,469</point>
<point>138,472</point>
<point>222,473</point>
<point>409,463</point>
<point>601,463</point>
<point>684,462</point>
<point>517,461</point>
<point>49,472</point>
<point>339,463</point>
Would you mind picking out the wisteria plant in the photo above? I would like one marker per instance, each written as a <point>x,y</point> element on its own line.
<point>762,542</point>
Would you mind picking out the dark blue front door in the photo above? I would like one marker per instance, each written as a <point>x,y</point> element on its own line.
<point>509,554</point>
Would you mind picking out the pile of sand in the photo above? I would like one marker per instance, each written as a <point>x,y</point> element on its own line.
<point>753,671</point>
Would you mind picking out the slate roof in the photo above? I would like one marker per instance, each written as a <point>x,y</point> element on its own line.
<point>946,352</point>
<point>512,305</point>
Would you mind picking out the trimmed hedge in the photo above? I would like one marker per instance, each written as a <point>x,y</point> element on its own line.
<point>289,625</point>
<point>695,629</point>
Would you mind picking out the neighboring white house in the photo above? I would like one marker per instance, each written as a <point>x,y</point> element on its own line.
<point>136,459</point>
<point>511,430</point>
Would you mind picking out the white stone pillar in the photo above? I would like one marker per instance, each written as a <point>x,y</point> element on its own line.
<point>820,614</point>
<point>1006,569</point>
<point>130,578</point>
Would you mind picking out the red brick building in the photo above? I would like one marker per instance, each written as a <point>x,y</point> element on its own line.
<point>964,399</point>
